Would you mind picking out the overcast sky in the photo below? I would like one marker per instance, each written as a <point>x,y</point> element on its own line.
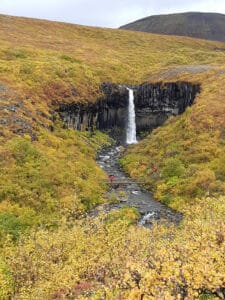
<point>112,13</point>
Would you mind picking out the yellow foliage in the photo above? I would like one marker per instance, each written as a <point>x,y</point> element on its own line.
<point>48,183</point>
<point>96,258</point>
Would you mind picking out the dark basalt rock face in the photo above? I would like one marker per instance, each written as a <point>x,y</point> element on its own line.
<point>154,103</point>
<point>107,113</point>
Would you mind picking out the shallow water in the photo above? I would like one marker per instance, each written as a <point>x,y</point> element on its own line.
<point>130,193</point>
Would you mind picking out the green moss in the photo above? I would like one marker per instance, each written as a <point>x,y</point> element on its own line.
<point>11,225</point>
<point>16,54</point>
<point>70,59</point>
<point>6,281</point>
<point>173,169</point>
<point>129,215</point>
<point>55,175</point>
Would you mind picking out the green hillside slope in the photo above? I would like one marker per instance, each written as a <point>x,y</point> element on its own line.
<point>49,179</point>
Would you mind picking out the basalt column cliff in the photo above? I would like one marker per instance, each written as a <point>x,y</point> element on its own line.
<point>154,103</point>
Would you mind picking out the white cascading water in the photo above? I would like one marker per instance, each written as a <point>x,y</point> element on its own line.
<point>131,126</point>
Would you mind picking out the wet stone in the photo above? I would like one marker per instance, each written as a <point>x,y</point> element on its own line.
<point>135,196</point>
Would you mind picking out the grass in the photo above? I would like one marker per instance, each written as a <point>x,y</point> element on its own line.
<point>188,151</point>
<point>49,179</point>
<point>42,63</point>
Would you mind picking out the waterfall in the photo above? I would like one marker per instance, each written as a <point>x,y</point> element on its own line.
<point>131,126</point>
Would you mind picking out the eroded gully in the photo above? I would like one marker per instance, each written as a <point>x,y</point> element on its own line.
<point>130,194</point>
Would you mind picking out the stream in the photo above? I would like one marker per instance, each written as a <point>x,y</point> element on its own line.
<point>130,194</point>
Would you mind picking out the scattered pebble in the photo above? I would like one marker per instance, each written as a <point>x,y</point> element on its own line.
<point>150,209</point>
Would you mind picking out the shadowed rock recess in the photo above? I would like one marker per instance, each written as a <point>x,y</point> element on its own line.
<point>154,104</point>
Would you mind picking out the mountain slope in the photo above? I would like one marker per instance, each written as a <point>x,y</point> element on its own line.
<point>209,26</point>
<point>49,178</point>
<point>45,63</point>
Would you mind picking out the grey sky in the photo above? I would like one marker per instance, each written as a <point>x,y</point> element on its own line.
<point>104,13</point>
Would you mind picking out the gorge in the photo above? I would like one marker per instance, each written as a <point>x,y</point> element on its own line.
<point>125,112</point>
<point>66,230</point>
<point>129,194</point>
<point>154,103</point>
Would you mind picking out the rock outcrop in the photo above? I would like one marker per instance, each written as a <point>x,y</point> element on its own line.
<point>154,103</point>
<point>106,113</point>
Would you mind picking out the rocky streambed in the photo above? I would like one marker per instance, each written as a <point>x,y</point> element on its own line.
<point>127,193</point>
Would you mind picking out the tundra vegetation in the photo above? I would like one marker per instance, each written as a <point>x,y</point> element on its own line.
<point>49,178</point>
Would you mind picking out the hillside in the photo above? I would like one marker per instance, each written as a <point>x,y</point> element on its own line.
<point>49,178</point>
<point>67,62</point>
<point>209,26</point>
